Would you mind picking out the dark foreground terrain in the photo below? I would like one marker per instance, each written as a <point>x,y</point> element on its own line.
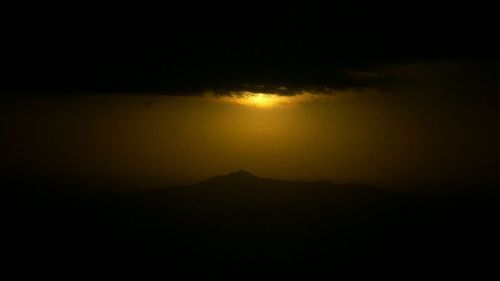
<point>240,226</point>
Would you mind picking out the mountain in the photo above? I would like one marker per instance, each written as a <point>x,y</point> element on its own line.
<point>241,226</point>
<point>242,189</point>
<point>242,220</point>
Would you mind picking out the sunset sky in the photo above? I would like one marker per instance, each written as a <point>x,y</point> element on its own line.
<point>163,95</point>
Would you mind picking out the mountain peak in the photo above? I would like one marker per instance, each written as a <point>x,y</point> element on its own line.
<point>236,177</point>
<point>241,173</point>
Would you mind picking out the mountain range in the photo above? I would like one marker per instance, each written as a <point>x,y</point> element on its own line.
<point>241,226</point>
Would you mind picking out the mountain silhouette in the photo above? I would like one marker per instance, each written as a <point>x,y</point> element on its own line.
<point>241,219</point>
<point>240,224</point>
<point>238,177</point>
<point>241,188</point>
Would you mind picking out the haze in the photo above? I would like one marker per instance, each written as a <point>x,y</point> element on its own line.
<point>363,135</point>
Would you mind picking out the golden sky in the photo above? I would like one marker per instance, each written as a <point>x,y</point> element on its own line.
<point>352,135</point>
<point>437,122</point>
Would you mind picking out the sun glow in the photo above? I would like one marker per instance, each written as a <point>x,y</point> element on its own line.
<point>265,100</point>
<point>261,99</point>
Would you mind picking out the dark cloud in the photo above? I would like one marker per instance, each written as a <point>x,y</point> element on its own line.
<point>183,49</point>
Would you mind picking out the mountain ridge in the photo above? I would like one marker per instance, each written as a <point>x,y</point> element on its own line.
<point>242,188</point>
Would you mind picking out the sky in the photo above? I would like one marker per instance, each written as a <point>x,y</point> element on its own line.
<point>149,95</point>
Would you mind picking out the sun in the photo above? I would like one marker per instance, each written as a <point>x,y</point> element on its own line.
<point>258,99</point>
<point>266,100</point>
<point>261,99</point>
